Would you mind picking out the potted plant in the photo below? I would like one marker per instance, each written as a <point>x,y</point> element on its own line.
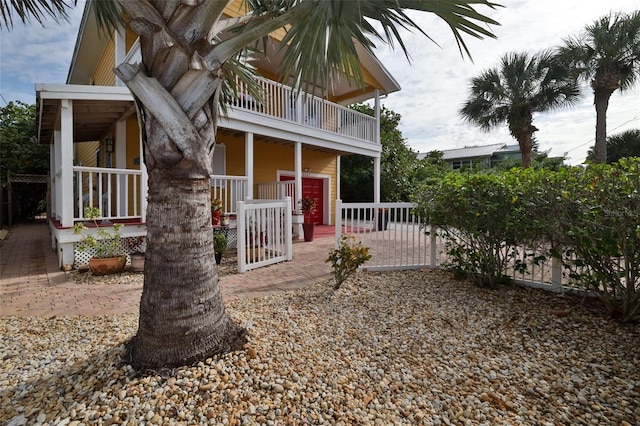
<point>220,244</point>
<point>216,211</point>
<point>308,207</point>
<point>106,246</point>
<point>135,246</point>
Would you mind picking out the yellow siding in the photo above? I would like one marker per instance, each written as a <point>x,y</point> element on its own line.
<point>270,157</point>
<point>104,76</point>
<point>86,153</point>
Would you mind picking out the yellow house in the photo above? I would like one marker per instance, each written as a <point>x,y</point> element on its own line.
<point>285,145</point>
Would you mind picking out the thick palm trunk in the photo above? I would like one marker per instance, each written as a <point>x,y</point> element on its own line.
<point>182,316</point>
<point>601,102</point>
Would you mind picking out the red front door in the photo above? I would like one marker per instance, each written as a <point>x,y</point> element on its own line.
<point>312,187</point>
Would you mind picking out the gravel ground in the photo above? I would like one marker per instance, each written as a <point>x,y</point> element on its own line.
<point>387,348</point>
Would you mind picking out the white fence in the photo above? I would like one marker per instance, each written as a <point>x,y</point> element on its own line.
<point>278,191</point>
<point>398,240</point>
<point>230,190</point>
<point>116,192</point>
<point>264,233</point>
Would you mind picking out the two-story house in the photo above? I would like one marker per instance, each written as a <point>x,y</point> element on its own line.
<point>285,145</point>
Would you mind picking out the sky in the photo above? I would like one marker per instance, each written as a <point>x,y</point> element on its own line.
<point>434,84</point>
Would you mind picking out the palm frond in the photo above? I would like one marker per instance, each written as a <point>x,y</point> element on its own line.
<point>33,9</point>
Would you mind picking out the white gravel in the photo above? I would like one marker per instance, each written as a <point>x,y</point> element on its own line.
<point>387,348</point>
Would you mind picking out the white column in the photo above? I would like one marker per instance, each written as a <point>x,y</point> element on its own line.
<point>338,162</point>
<point>376,179</point>
<point>248,162</point>
<point>66,163</point>
<point>120,147</point>
<point>297,169</point>
<point>144,184</point>
<point>120,51</point>
<point>376,160</point>
<point>56,191</point>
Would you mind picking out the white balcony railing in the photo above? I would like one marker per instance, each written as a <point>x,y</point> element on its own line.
<point>230,190</point>
<point>116,192</point>
<point>282,102</point>
<point>278,191</point>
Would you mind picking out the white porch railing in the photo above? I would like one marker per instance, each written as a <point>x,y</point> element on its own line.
<point>116,192</point>
<point>278,191</point>
<point>282,102</point>
<point>264,233</point>
<point>397,240</point>
<point>230,190</point>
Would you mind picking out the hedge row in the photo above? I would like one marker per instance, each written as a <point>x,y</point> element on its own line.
<point>588,217</point>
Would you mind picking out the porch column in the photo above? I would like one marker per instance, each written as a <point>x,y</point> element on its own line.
<point>376,160</point>
<point>144,184</point>
<point>297,169</point>
<point>120,143</point>
<point>55,152</point>
<point>376,179</point>
<point>248,163</point>
<point>65,173</point>
<point>338,197</point>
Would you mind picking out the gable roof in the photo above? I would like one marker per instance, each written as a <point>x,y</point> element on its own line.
<point>91,43</point>
<point>472,151</point>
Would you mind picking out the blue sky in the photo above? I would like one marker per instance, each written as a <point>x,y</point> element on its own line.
<point>434,85</point>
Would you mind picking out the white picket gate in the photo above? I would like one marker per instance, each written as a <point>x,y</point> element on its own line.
<point>264,233</point>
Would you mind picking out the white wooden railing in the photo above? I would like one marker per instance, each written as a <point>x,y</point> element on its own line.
<point>283,102</point>
<point>230,190</point>
<point>264,233</point>
<point>397,240</point>
<point>278,191</point>
<point>116,192</point>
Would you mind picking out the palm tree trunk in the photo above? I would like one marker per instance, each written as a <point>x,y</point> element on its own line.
<point>601,101</point>
<point>182,316</point>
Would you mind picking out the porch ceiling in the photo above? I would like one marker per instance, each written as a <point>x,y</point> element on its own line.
<point>92,119</point>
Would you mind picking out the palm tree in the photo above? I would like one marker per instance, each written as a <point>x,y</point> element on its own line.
<point>188,50</point>
<point>522,85</point>
<point>625,144</point>
<point>607,56</point>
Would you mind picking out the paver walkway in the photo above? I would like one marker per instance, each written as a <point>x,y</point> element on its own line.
<point>31,284</point>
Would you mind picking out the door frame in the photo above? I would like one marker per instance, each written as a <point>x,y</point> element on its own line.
<point>326,190</point>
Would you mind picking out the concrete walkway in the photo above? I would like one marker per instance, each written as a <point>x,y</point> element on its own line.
<point>32,285</point>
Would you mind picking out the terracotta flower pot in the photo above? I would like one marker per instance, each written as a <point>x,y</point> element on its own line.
<point>307,229</point>
<point>107,265</point>
<point>137,262</point>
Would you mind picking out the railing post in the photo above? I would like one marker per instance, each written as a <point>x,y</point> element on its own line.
<point>241,234</point>
<point>288,228</point>
<point>338,222</point>
<point>556,271</point>
<point>433,247</point>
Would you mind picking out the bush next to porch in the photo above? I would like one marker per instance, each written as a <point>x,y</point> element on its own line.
<point>589,217</point>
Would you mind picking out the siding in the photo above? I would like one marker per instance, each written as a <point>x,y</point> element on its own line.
<point>104,76</point>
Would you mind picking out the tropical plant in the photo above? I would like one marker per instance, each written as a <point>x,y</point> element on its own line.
<point>625,144</point>
<point>189,51</point>
<point>347,258</point>
<point>36,9</point>
<point>511,93</point>
<point>104,243</point>
<point>308,207</point>
<point>220,243</point>
<point>607,56</point>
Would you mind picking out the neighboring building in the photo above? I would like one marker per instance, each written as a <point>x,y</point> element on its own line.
<point>286,146</point>
<point>487,155</point>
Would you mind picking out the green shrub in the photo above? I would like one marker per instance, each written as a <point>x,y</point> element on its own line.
<point>347,258</point>
<point>599,224</point>
<point>486,221</point>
